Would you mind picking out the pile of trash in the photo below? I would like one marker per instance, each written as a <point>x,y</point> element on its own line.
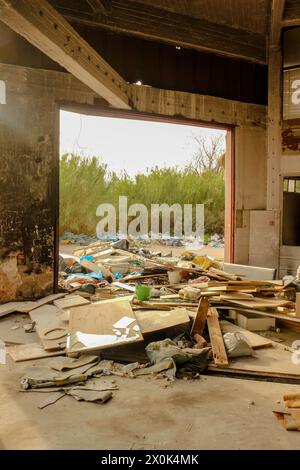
<point>130,311</point>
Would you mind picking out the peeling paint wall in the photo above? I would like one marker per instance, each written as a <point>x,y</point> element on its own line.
<point>29,177</point>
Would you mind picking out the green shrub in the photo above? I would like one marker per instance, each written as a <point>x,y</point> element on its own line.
<point>86,182</point>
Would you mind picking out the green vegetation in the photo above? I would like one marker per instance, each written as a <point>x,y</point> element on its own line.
<point>86,182</point>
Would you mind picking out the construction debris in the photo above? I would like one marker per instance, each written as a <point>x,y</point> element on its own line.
<point>289,417</point>
<point>154,315</point>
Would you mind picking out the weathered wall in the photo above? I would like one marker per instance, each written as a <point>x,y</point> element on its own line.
<point>29,166</point>
<point>28,177</point>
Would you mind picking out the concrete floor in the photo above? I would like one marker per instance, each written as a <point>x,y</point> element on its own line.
<point>209,413</point>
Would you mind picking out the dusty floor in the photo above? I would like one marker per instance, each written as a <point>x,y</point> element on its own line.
<point>210,413</point>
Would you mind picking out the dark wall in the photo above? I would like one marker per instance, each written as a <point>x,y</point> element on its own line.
<point>29,177</point>
<point>291,219</point>
<point>155,64</point>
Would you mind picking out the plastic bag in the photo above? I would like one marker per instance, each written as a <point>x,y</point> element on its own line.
<point>236,345</point>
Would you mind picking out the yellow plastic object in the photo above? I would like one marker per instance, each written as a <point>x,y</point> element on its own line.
<point>203,261</point>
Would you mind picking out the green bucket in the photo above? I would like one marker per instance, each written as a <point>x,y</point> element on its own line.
<point>142,292</point>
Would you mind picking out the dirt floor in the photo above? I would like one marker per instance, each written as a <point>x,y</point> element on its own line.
<point>208,413</point>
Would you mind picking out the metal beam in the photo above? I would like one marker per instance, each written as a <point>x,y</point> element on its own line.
<point>39,23</point>
<point>160,25</point>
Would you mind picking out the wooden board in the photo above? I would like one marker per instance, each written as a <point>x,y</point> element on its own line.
<point>216,338</point>
<point>255,341</point>
<point>298,304</point>
<point>27,306</point>
<point>93,327</point>
<point>268,362</point>
<point>71,301</point>
<point>200,318</point>
<point>156,320</point>
<point>260,303</point>
<point>50,317</point>
<point>265,313</point>
<point>30,351</point>
<point>237,296</point>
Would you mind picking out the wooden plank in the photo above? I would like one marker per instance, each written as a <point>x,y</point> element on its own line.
<point>27,306</point>
<point>71,301</point>
<point>96,326</point>
<point>257,303</point>
<point>216,338</point>
<point>255,341</point>
<point>265,313</point>
<point>39,23</point>
<point>298,304</point>
<point>277,9</point>
<point>200,318</point>
<point>153,23</point>
<point>268,362</point>
<point>92,266</point>
<point>30,351</point>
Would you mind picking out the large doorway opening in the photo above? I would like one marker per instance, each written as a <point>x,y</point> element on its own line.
<point>149,160</point>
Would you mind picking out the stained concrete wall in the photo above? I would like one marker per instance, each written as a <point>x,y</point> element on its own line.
<point>29,166</point>
<point>29,177</point>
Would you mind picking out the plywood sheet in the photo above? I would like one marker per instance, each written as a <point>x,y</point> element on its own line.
<point>156,320</point>
<point>71,301</point>
<point>260,303</point>
<point>268,362</point>
<point>50,326</point>
<point>30,351</point>
<point>27,306</point>
<point>102,325</point>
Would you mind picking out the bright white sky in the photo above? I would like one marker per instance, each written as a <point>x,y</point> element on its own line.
<point>129,144</point>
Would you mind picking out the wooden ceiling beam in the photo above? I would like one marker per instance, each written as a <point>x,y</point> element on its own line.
<point>291,14</point>
<point>277,11</point>
<point>39,23</point>
<point>160,25</point>
<point>100,6</point>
